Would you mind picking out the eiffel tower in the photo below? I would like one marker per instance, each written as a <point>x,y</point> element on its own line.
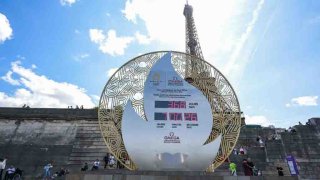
<point>197,73</point>
<point>193,67</point>
<point>192,41</point>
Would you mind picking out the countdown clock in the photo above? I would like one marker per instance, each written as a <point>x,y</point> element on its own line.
<point>128,83</point>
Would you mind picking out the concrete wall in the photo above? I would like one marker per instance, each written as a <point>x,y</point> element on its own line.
<point>30,144</point>
<point>30,138</point>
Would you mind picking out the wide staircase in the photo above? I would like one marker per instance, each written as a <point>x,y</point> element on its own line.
<point>266,157</point>
<point>88,146</point>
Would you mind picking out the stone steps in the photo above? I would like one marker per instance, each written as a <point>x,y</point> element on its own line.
<point>87,150</point>
<point>89,143</point>
<point>88,146</point>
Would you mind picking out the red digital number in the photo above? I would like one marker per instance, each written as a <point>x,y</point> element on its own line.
<point>194,117</point>
<point>175,116</point>
<point>187,116</point>
<point>176,104</point>
<point>171,104</point>
<point>182,104</point>
<point>190,117</point>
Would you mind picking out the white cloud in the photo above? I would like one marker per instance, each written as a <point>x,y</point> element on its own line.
<point>39,91</point>
<point>110,44</point>
<point>130,11</point>
<point>142,39</point>
<point>81,56</point>
<point>259,120</point>
<point>95,99</point>
<point>5,28</point>
<point>96,35</point>
<point>233,63</point>
<point>111,71</point>
<point>225,28</point>
<point>303,101</point>
<point>67,2</point>
<point>162,21</point>
<point>33,66</point>
<point>9,79</point>
<point>85,55</point>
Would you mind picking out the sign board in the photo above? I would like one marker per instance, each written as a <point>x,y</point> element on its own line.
<point>292,164</point>
<point>179,120</point>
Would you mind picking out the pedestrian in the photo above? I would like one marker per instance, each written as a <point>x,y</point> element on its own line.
<point>280,171</point>
<point>261,143</point>
<point>96,164</point>
<point>2,166</point>
<point>235,151</point>
<point>233,169</point>
<point>255,171</point>
<point>241,150</point>
<point>246,168</point>
<point>62,172</point>
<point>85,167</point>
<point>10,172</point>
<point>106,160</point>
<point>258,138</point>
<point>47,171</point>
<point>112,161</point>
<point>251,165</point>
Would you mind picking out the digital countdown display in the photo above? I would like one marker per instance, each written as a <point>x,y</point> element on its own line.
<point>173,116</point>
<point>170,104</point>
<point>160,116</point>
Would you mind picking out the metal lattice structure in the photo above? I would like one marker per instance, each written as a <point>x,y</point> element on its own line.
<point>128,84</point>
<point>196,74</point>
<point>192,41</point>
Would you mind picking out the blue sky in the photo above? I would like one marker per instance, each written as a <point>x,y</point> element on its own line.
<point>61,52</point>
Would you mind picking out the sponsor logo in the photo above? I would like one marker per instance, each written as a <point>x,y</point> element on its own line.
<point>171,138</point>
<point>175,81</point>
<point>156,79</point>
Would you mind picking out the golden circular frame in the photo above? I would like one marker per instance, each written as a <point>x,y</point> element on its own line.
<point>127,83</point>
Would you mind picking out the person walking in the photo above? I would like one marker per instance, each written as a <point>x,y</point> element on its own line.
<point>85,167</point>
<point>96,165</point>
<point>106,160</point>
<point>47,172</point>
<point>2,166</point>
<point>280,171</point>
<point>10,172</point>
<point>233,169</point>
<point>251,166</point>
<point>246,168</point>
